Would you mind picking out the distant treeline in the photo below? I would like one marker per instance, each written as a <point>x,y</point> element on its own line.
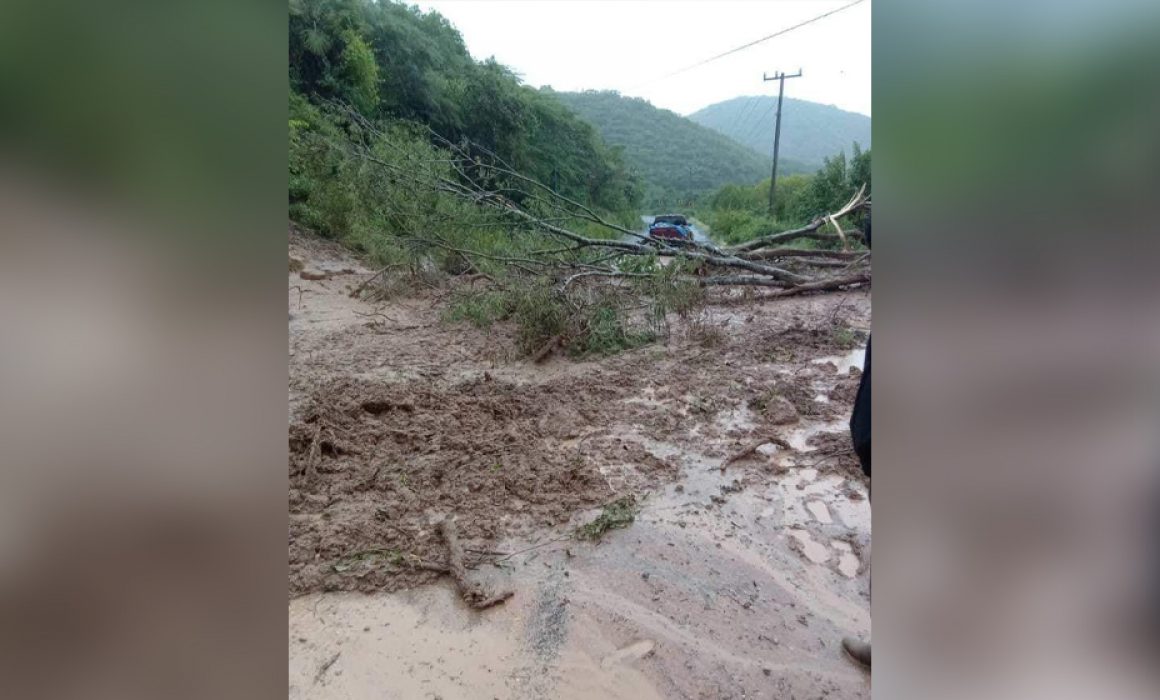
<point>678,159</point>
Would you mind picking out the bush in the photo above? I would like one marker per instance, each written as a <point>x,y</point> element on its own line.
<point>482,308</point>
<point>733,227</point>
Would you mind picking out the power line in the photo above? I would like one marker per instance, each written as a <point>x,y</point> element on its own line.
<point>755,128</point>
<point>752,43</point>
<point>745,110</point>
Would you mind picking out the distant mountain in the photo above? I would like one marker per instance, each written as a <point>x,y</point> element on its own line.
<point>673,155</point>
<point>809,131</point>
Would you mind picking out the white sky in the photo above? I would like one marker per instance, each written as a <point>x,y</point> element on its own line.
<point>629,45</point>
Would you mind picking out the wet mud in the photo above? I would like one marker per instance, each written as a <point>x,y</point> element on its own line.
<point>731,582</point>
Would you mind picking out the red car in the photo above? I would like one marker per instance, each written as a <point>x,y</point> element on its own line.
<point>671,227</point>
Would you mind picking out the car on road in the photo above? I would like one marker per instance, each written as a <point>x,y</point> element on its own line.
<point>671,227</point>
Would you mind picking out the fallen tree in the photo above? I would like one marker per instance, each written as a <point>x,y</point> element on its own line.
<point>580,243</point>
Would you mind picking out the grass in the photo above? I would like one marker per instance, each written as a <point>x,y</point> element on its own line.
<point>593,324</point>
<point>481,309</point>
<point>619,514</point>
<point>847,338</point>
<point>607,334</point>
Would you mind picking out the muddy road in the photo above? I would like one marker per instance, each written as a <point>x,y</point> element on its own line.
<point>734,582</point>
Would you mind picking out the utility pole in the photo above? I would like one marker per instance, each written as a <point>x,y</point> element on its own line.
<point>780,77</point>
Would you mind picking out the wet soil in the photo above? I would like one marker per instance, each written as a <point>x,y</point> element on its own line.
<point>734,582</point>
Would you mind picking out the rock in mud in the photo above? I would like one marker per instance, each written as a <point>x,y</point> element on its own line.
<point>779,411</point>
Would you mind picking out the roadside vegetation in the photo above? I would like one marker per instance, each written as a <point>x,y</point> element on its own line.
<point>738,213</point>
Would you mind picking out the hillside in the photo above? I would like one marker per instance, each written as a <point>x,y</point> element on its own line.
<point>809,131</point>
<point>673,155</point>
<point>404,68</point>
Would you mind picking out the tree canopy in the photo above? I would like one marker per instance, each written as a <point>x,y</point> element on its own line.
<point>394,61</point>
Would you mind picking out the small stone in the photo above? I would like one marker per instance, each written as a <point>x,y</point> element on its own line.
<point>645,575</point>
<point>767,671</point>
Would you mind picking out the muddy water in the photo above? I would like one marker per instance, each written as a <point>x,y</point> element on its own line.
<point>854,358</point>
<point>704,596</point>
<point>425,644</point>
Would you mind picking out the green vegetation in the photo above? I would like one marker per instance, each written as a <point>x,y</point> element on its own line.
<point>481,308</point>
<point>845,338</point>
<point>736,214</point>
<point>677,158</point>
<point>618,514</point>
<point>397,64</point>
<point>810,132</point>
<point>595,324</point>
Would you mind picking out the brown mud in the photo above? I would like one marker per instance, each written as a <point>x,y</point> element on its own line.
<point>735,582</point>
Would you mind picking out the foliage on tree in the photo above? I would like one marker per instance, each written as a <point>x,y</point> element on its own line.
<point>736,213</point>
<point>395,62</point>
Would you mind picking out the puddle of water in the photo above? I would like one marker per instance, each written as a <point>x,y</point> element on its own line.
<point>426,643</point>
<point>854,358</point>
<point>848,565</point>
<point>814,551</point>
<point>847,562</point>
<point>769,450</point>
<point>799,436</point>
<point>739,419</point>
<point>349,645</point>
<point>820,512</point>
<point>855,515</point>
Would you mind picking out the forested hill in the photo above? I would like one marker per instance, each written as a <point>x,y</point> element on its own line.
<point>810,132</point>
<point>673,155</point>
<point>397,64</point>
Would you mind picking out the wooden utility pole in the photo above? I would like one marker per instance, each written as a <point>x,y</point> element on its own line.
<point>780,77</point>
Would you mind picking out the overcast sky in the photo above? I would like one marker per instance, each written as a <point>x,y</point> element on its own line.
<point>630,45</point>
